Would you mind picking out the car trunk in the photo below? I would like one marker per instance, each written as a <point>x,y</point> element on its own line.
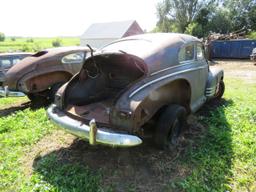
<point>92,93</point>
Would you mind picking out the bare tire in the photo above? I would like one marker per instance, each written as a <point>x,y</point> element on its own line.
<point>169,127</point>
<point>37,100</point>
<point>54,89</point>
<point>221,90</point>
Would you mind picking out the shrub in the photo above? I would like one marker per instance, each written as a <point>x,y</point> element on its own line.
<point>56,43</point>
<point>2,36</point>
<point>30,40</point>
<point>13,39</point>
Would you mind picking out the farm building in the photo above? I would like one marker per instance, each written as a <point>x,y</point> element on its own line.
<point>100,34</point>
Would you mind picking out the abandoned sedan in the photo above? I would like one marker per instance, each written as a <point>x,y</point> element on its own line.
<point>7,60</point>
<point>134,81</point>
<point>40,75</point>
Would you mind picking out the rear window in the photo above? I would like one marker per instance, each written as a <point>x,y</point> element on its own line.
<point>5,63</point>
<point>73,58</point>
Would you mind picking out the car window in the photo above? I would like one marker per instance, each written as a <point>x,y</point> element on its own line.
<point>199,52</point>
<point>5,63</point>
<point>186,53</point>
<point>73,58</point>
<point>14,61</point>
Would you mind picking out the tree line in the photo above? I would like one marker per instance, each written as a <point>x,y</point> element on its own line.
<point>202,17</point>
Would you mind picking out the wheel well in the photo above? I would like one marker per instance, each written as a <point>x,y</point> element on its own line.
<point>44,81</point>
<point>175,92</point>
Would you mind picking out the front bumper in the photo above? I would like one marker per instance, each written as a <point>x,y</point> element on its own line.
<point>102,135</point>
<point>5,92</point>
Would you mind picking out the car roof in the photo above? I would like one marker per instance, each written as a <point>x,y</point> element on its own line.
<point>158,50</point>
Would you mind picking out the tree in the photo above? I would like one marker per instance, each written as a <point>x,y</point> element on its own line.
<point>242,13</point>
<point>178,13</point>
<point>2,36</point>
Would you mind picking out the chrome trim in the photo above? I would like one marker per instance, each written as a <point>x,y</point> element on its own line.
<point>161,78</point>
<point>5,92</point>
<point>172,67</point>
<point>103,136</point>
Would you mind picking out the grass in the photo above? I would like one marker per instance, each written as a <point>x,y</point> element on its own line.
<point>35,44</point>
<point>8,102</point>
<point>222,157</point>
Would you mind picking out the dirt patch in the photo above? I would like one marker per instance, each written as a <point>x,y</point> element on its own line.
<point>142,168</point>
<point>244,69</point>
<point>58,139</point>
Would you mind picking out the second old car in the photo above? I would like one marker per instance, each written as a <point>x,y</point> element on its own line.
<point>133,81</point>
<point>40,75</point>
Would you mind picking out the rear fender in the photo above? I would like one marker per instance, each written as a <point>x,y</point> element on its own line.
<point>214,78</point>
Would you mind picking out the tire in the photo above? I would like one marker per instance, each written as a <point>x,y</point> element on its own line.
<point>37,100</point>
<point>53,90</point>
<point>169,127</point>
<point>221,90</point>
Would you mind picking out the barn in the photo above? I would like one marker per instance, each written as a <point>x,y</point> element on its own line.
<point>100,34</point>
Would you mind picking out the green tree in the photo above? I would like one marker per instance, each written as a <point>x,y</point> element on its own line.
<point>178,14</point>
<point>2,36</point>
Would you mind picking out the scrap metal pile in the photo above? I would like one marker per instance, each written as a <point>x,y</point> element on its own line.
<point>240,34</point>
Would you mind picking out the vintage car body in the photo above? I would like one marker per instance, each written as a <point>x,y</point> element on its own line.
<point>7,60</point>
<point>131,81</point>
<point>41,74</point>
<point>253,55</point>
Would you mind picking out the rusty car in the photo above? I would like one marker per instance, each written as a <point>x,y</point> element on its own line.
<point>41,74</point>
<point>7,60</point>
<point>160,78</point>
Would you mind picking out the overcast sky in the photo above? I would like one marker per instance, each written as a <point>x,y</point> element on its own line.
<point>70,17</point>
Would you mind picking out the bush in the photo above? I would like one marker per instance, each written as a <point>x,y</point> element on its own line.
<point>13,39</point>
<point>56,43</point>
<point>252,35</point>
<point>30,40</point>
<point>2,36</point>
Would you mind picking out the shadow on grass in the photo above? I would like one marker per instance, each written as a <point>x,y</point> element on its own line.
<point>201,162</point>
<point>13,109</point>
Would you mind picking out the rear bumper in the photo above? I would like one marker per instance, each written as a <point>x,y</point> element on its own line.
<point>5,92</point>
<point>102,135</point>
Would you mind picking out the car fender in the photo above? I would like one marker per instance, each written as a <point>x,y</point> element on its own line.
<point>214,77</point>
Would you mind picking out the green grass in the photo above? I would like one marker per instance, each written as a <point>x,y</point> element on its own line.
<point>34,44</point>
<point>224,158</point>
<point>221,158</point>
<point>7,102</point>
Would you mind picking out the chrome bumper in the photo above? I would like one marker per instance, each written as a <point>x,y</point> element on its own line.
<point>5,92</point>
<point>100,135</point>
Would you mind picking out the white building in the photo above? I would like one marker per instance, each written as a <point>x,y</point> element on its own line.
<point>100,34</point>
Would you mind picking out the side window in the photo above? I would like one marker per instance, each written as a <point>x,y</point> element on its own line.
<point>186,53</point>
<point>73,58</point>
<point>199,52</point>
<point>14,61</point>
<point>5,63</point>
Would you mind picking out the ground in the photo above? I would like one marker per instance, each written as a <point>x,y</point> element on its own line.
<point>217,152</point>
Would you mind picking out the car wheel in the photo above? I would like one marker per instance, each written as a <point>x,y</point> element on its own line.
<point>54,89</point>
<point>169,127</point>
<point>220,90</point>
<point>37,100</point>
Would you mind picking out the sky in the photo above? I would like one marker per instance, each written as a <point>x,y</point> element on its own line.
<point>49,18</point>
